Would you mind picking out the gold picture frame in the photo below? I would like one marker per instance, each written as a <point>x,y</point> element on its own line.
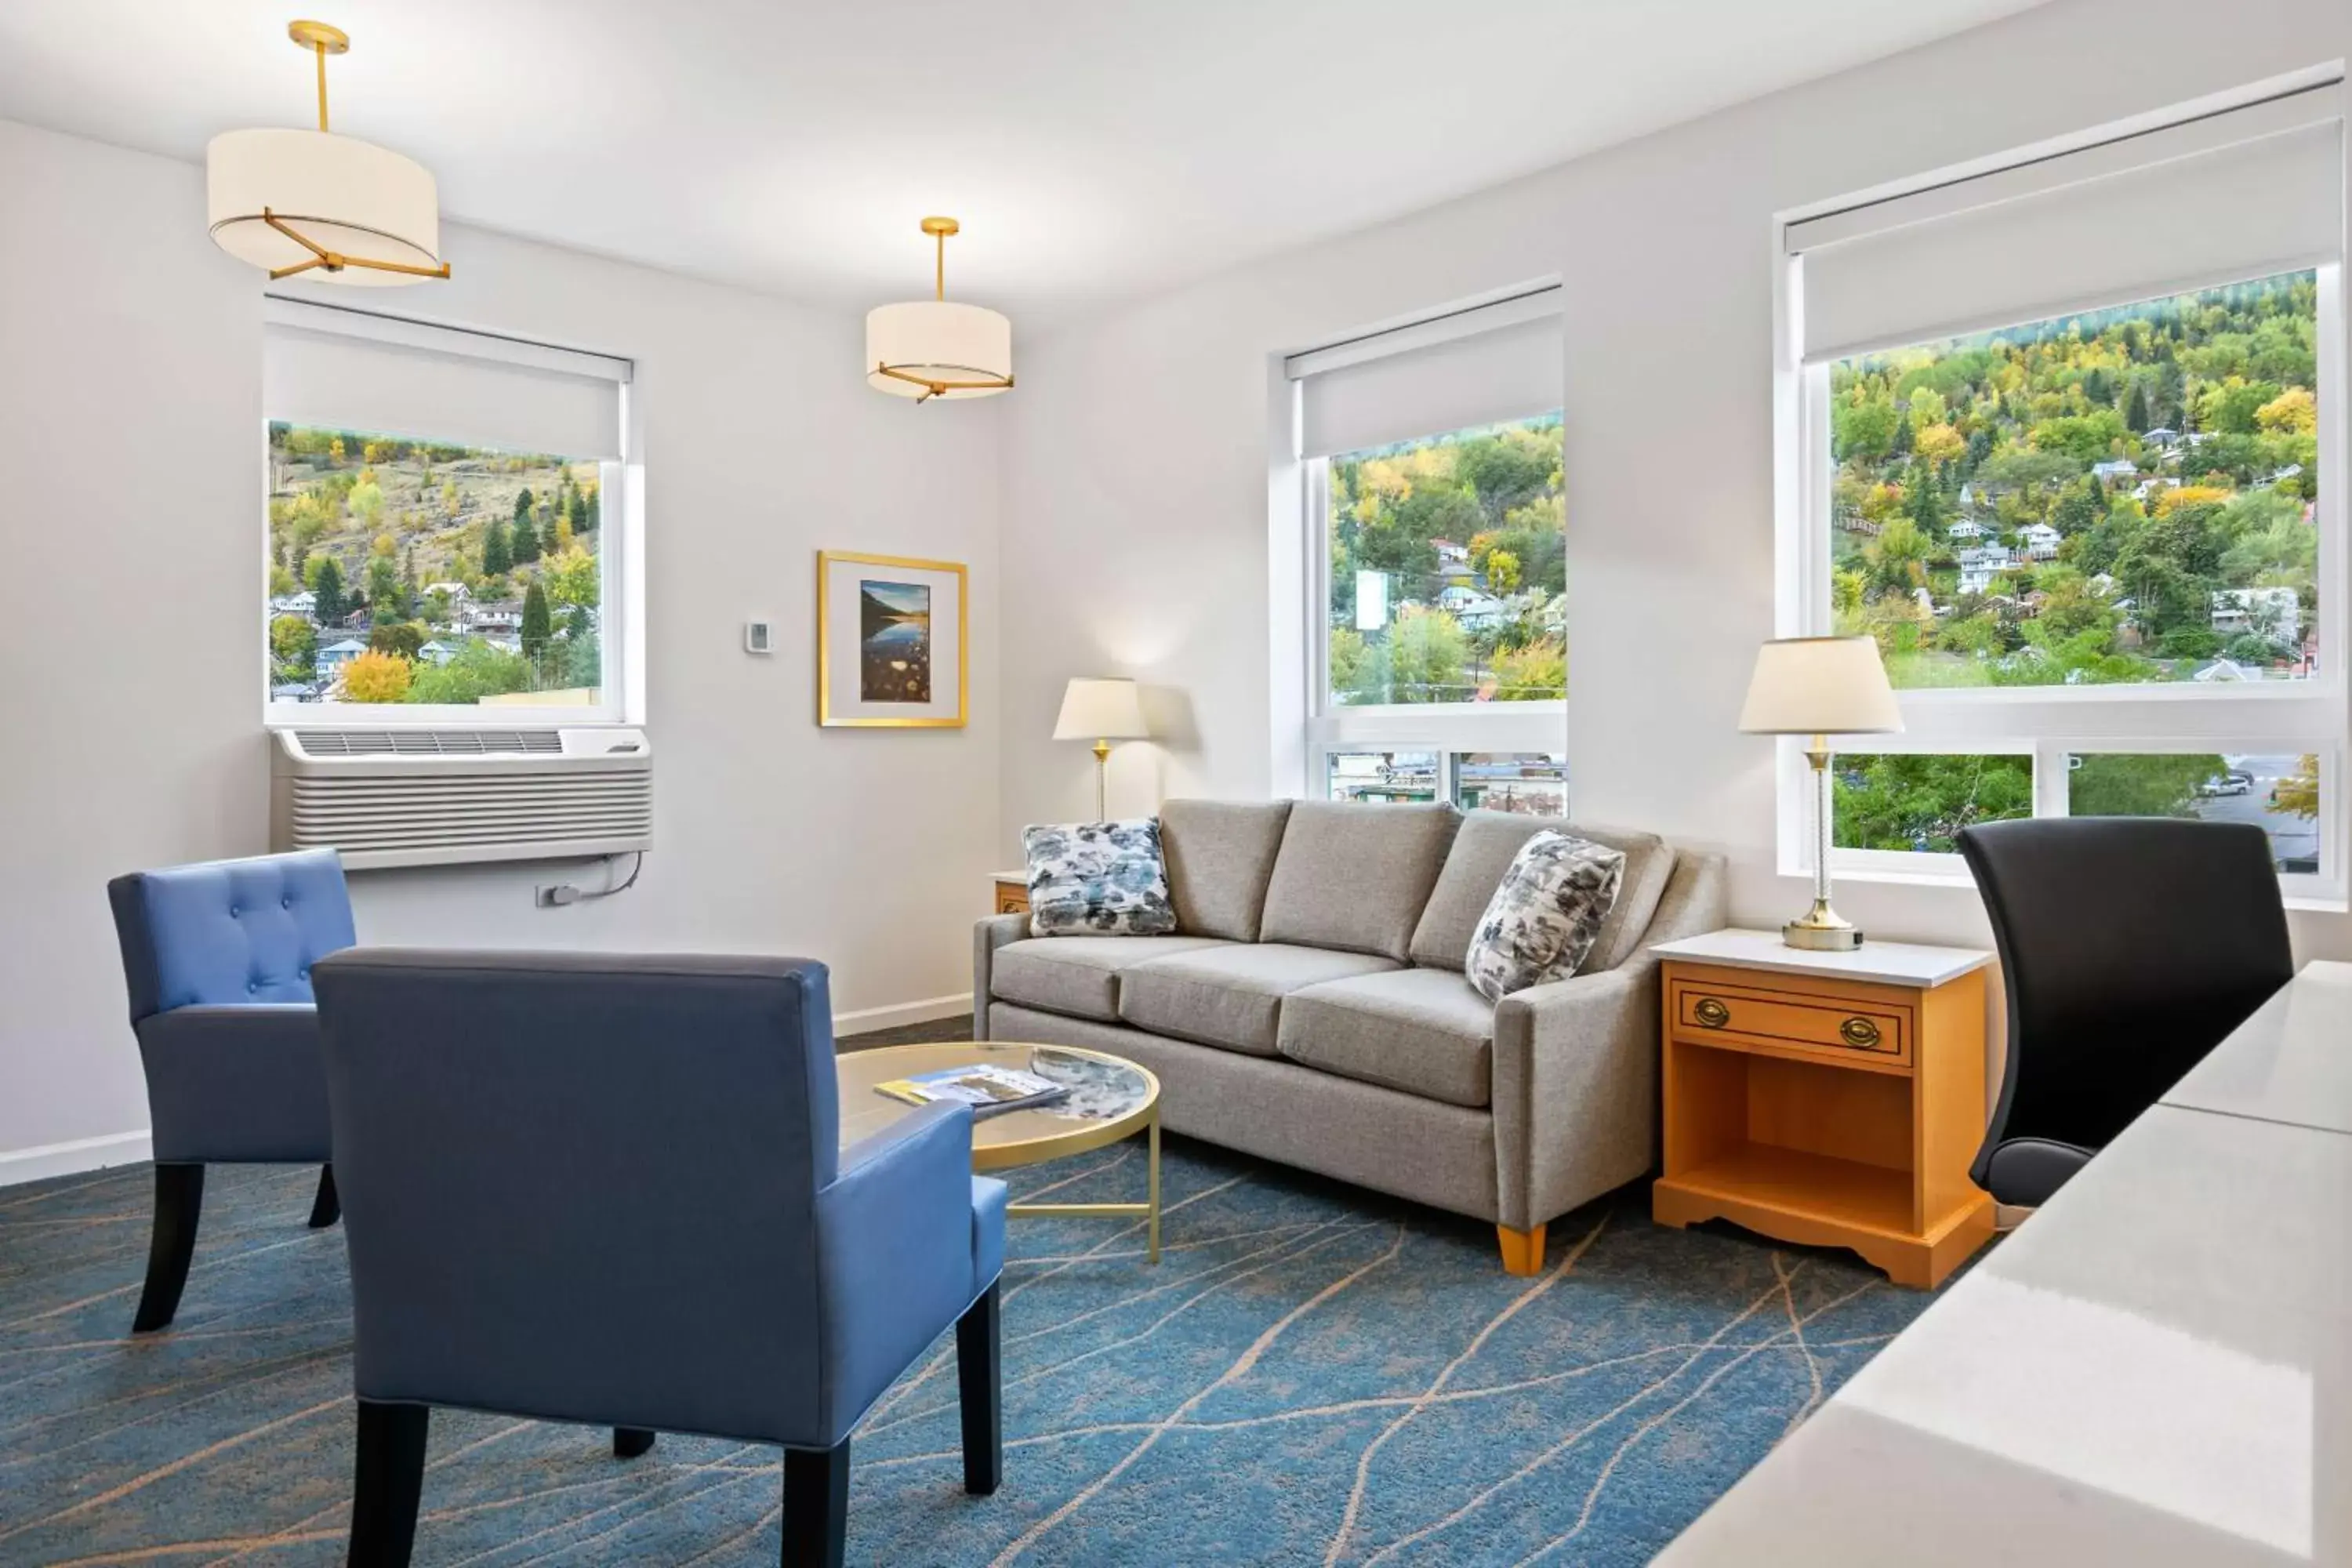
<point>854,708</point>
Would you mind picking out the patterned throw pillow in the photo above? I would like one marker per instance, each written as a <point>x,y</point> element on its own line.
<point>1542,921</point>
<point>1098,878</point>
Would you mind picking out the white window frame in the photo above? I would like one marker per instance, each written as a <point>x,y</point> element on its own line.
<point>620,548</point>
<point>1444,728</point>
<point>2050,722</point>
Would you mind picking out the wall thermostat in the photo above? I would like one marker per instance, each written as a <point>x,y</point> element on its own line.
<point>756,638</point>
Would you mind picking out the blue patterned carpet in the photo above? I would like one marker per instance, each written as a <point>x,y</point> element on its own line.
<point>1314,1374</point>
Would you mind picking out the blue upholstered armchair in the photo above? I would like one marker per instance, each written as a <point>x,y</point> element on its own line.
<point>609,1190</point>
<point>217,959</point>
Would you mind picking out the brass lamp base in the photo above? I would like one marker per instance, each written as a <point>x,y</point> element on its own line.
<point>1822,931</point>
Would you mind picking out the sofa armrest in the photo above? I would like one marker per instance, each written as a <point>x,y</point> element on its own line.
<point>1575,1090</point>
<point>986,938</point>
<point>1576,1065</point>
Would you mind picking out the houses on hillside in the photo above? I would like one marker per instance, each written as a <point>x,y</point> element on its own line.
<point>2273,613</point>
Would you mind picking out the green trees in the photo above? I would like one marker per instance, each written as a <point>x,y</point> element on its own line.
<point>2119,785</point>
<point>294,648</point>
<point>538,627</point>
<point>1921,803</point>
<point>522,540</point>
<point>2004,430</point>
<point>497,554</point>
<point>475,671</point>
<point>385,601</point>
<point>405,639</point>
<point>326,581</point>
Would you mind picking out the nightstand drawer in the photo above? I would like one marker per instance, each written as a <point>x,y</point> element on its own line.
<point>1730,1015</point>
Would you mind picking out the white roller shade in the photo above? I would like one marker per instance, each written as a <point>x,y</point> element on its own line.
<point>2228,197</point>
<point>351,371</point>
<point>1477,368</point>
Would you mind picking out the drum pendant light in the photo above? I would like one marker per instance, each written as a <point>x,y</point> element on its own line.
<point>934,348</point>
<point>311,201</point>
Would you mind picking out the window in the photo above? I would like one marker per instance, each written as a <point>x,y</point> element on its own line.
<point>442,522</point>
<point>2092,522</point>
<point>1434,509</point>
<point>1527,784</point>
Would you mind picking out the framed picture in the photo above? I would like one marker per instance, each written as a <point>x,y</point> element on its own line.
<point>890,642</point>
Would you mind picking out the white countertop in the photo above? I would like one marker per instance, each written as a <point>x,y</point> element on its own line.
<point>2291,1062</point>
<point>2152,1371</point>
<point>1876,963</point>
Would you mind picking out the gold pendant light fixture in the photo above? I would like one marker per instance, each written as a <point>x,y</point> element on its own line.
<point>311,201</point>
<point>938,348</point>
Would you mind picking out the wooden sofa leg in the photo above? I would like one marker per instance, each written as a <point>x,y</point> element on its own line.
<point>179,1203</point>
<point>1523,1250</point>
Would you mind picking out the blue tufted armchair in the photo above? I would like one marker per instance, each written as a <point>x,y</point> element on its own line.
<point>218,959</point>
<point>609,1189</point>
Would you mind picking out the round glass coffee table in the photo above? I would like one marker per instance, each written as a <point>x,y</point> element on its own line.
<point>1110,1098</point>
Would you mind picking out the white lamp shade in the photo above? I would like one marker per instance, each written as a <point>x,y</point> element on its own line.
<point>348,196</point>
<point>938,340</point>
<point>1819,685</point>
<point>1096,709</point>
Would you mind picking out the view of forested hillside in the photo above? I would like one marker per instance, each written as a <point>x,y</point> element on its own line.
<point>2124,495</point>
<point>1448,560</point>
<point>404,571</point>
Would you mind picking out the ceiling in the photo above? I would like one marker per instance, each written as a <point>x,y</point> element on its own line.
<point>1094,151</point>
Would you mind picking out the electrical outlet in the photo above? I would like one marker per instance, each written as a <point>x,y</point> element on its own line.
<point>758,638</point>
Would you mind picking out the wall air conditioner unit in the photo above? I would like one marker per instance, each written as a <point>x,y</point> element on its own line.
<point>444,797</point>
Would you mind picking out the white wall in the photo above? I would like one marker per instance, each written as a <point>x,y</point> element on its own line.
<point>1136,537</point>
<point>130,594</point>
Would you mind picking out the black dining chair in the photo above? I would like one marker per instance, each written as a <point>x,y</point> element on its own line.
<point>2130,946</point>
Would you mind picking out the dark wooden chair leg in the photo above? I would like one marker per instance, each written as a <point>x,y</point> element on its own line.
<point>389,1479</point>
<point>628,1442</point>
<point>179,1200</point>
<point>327,1208</point>
<point>979,1392</point>
<point>816,1506</point>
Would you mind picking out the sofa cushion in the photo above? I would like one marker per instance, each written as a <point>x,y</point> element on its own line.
<point>1544,920</point>
<point>1101,878</point>
<point>1483,850</point>
<point>1220,855</point>
<point>1078,974</point>
<point>1355,877</point>
<point>1424,1031</point>
<point>1231,995</point>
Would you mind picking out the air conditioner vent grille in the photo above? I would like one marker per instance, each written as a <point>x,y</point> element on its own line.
<point>430,743</point>
<point>428,797</point>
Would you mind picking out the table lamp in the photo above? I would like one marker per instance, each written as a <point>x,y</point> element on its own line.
<point>1106,711</point>
<point>1820,687</point>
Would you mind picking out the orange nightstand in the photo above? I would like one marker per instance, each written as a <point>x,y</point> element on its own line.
<point>1012,893</point>
<point>1828,1099</point>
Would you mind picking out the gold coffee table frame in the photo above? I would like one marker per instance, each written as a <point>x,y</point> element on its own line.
<point>1018,1137</point>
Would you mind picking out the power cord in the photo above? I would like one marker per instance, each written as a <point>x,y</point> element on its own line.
<point>566,893</point>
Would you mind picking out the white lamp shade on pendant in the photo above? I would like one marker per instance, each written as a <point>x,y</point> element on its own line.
<point>935,345</point>
<point>345,195</point>
<point>1819,685</point>
<point>1100,710</point>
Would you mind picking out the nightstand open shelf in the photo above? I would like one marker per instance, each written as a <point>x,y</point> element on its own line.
<point>1827,1100</point>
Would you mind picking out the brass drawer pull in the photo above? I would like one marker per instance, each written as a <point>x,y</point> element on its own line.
<point>1711,1014</point>
<point>1859,1031</point>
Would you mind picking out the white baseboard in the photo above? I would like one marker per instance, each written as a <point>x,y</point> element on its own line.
<point>20,1165</point>
<point>902,1013</point>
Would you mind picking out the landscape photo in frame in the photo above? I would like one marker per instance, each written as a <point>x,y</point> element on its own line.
<point>893,658</point>
<point>893,633</point>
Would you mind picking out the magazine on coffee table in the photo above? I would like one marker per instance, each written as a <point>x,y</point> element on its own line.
<point>989,1090</point>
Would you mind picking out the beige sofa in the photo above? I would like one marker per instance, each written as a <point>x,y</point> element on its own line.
<point>1311,1007</point>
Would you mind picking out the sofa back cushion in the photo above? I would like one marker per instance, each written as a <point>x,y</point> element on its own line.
<point>1355,876</point>
<point>1483,850</point>
<point>1220,856</point>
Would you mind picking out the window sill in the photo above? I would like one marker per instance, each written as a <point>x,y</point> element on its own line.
<point>2298,903</point>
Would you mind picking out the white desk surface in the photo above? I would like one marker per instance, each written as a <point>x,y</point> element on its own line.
<point>2156,1369</point>
<point>2291,1062</point>
<point>1877,963</point>
<point>2152,1371</point>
